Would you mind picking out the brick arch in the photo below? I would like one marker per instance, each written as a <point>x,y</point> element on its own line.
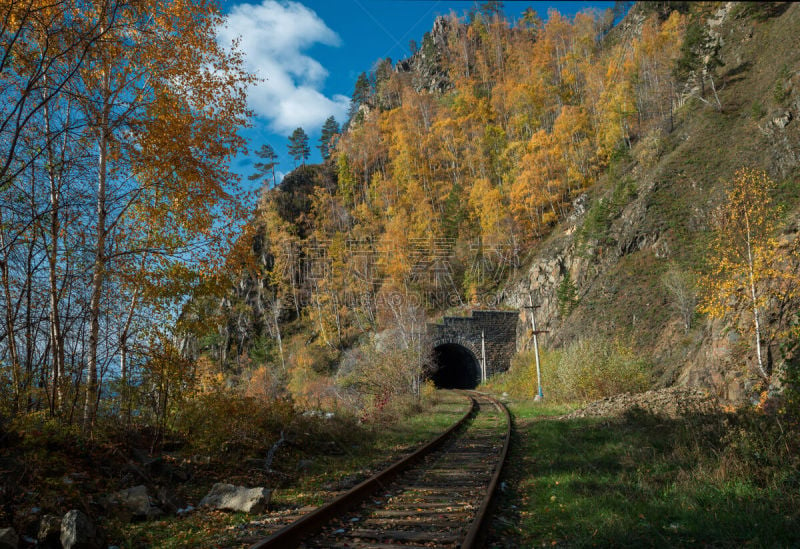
<point>464,342</point>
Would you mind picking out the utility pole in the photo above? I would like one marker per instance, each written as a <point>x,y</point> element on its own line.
<point>483,359</point>
<point>536,332</point>
<point>415,378</point>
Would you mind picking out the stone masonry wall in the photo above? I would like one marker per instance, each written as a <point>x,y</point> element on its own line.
<point>500,336</point>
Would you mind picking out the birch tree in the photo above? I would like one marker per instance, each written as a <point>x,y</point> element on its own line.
<point>162,103</point>
<point>747,267</point>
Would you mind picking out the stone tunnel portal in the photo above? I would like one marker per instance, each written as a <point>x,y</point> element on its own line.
<point>456,367</point>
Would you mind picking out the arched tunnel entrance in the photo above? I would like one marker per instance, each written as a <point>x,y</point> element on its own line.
<point>456,367</point>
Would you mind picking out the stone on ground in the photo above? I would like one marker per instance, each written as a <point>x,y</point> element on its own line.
<point>49,531</point>
<point>77,531</point>
<point>137,501</point>
<point>228,497</point>
<point>8,538</point>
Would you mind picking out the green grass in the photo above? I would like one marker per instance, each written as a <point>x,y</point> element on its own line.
<point>640,480</point>
<point>527,409</point>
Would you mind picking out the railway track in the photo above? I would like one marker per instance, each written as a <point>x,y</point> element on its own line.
<point>436,497</point>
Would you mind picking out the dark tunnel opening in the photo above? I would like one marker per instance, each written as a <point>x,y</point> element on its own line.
<point>456,367</point>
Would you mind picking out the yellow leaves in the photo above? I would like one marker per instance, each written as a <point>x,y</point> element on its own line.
<point>749,270</point>
<point>394,249</point>
<point>208,377</point>
<point>489,207</point>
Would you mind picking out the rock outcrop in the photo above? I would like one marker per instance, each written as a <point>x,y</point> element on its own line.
<point>654,213</point>
<point>425,65</point>
<point>49,533</point>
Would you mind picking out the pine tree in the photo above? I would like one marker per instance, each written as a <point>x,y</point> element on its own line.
<point>298,146</point>
<point>567,294</point>
<point>360,95</point>
<point>329,130</point>
<point>491,8</point>
<point>266,168</point>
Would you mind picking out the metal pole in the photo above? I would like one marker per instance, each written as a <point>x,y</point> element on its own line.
<point>418,373</point>
<point>483,361</point>
<point>539,396</point>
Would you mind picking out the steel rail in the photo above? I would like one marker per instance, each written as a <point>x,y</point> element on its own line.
<point>472,538</point>
<point>292,534</point>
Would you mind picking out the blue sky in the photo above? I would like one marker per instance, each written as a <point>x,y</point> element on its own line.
<point>310,52</point>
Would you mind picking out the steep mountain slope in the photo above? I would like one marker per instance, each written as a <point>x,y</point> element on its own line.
<point>653,213</point>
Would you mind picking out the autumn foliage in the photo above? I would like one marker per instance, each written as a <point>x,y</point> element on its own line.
<point>436,196</point>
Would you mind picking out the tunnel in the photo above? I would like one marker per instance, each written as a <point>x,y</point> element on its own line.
<point>455,367</point>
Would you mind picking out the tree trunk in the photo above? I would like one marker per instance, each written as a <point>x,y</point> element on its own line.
<point>29,344</point>
<point>275,306</point>
<point>11,335</point>
<point>98,275</point>
<point>753,297</point>
<point>123,340</point>
<point>56,337</point>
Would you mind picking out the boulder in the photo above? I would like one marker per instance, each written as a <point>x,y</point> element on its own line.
<point>77,531</point>
<point>228,497</point>
<point>49,531</point>
<point>168,500</point>
<point>8,538</point>
<point>137,501</point>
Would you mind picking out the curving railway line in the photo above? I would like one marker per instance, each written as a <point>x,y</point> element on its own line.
<point>436,497</point>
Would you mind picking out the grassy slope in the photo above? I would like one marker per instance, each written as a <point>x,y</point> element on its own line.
<point>643,480</point>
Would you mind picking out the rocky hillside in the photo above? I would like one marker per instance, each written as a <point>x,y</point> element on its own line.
<point>650,219</point>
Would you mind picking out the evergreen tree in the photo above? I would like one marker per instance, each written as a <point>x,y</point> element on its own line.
<point>360,94</point>
<point>298,146</point>
<point>530,19</point>
<point>567,294</point>
<point>491,8</point>
<point>383,76</point>
<point>329,130</point>
<point>267,167</point>
<point>690,60</point>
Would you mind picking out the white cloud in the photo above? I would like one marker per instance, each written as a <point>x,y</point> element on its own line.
<point>273,36</point>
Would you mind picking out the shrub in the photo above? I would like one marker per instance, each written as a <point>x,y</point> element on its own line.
<point>226,420</point>
<point>597,224</point>
<point>780,92</point>
<point>650,149</point>
<point>682,288</point>
<point>757,110</point>
<point>588,369</point>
